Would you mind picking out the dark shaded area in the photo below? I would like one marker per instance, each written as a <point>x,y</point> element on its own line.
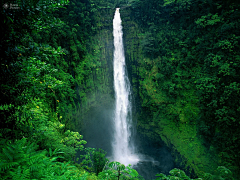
<point>98,128</point>
<point>156,158</point>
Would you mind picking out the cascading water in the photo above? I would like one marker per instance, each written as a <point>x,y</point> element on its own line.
<point>123,152</point>
<point>101,123</point>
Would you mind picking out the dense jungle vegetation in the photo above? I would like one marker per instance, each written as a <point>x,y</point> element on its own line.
<point>189,78</point>
<point>183,62</point>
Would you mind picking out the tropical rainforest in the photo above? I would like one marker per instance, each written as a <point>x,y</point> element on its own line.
<point>183,62</point>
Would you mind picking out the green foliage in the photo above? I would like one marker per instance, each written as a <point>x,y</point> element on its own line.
<point>116,170</point>
<point>99,161</point>
<point>174,174</point>
<point>187,76</point>
<point>94,160</point>
<point>21,160</point>
<point>39,94</point>
<point>222,173</point>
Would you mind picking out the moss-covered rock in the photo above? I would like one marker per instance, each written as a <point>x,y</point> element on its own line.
<point>167,108</point>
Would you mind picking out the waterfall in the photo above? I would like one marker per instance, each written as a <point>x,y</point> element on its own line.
<point>123,151</point>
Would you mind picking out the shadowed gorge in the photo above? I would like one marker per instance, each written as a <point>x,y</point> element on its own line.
<point>67,112</point>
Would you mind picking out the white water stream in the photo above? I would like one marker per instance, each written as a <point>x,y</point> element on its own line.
<point>123,151</point>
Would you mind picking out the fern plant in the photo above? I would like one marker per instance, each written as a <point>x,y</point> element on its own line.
<point>21,160</point>
<point>20,173</point>
<point>21,157</point>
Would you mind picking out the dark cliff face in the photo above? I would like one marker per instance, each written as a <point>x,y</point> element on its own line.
<point>93,119</point>
<point>152,106</point>
<point>99,84</point>
<point>133,52</point>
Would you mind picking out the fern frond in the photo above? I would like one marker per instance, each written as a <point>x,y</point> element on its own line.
<point>7,154</point>
<point>53,159</point>
<point>19,173</point>
<point>31,147</point>
<point>11,149</point>
<point>50,152</point>
<point>7,165</point>
<point>36,167</point>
